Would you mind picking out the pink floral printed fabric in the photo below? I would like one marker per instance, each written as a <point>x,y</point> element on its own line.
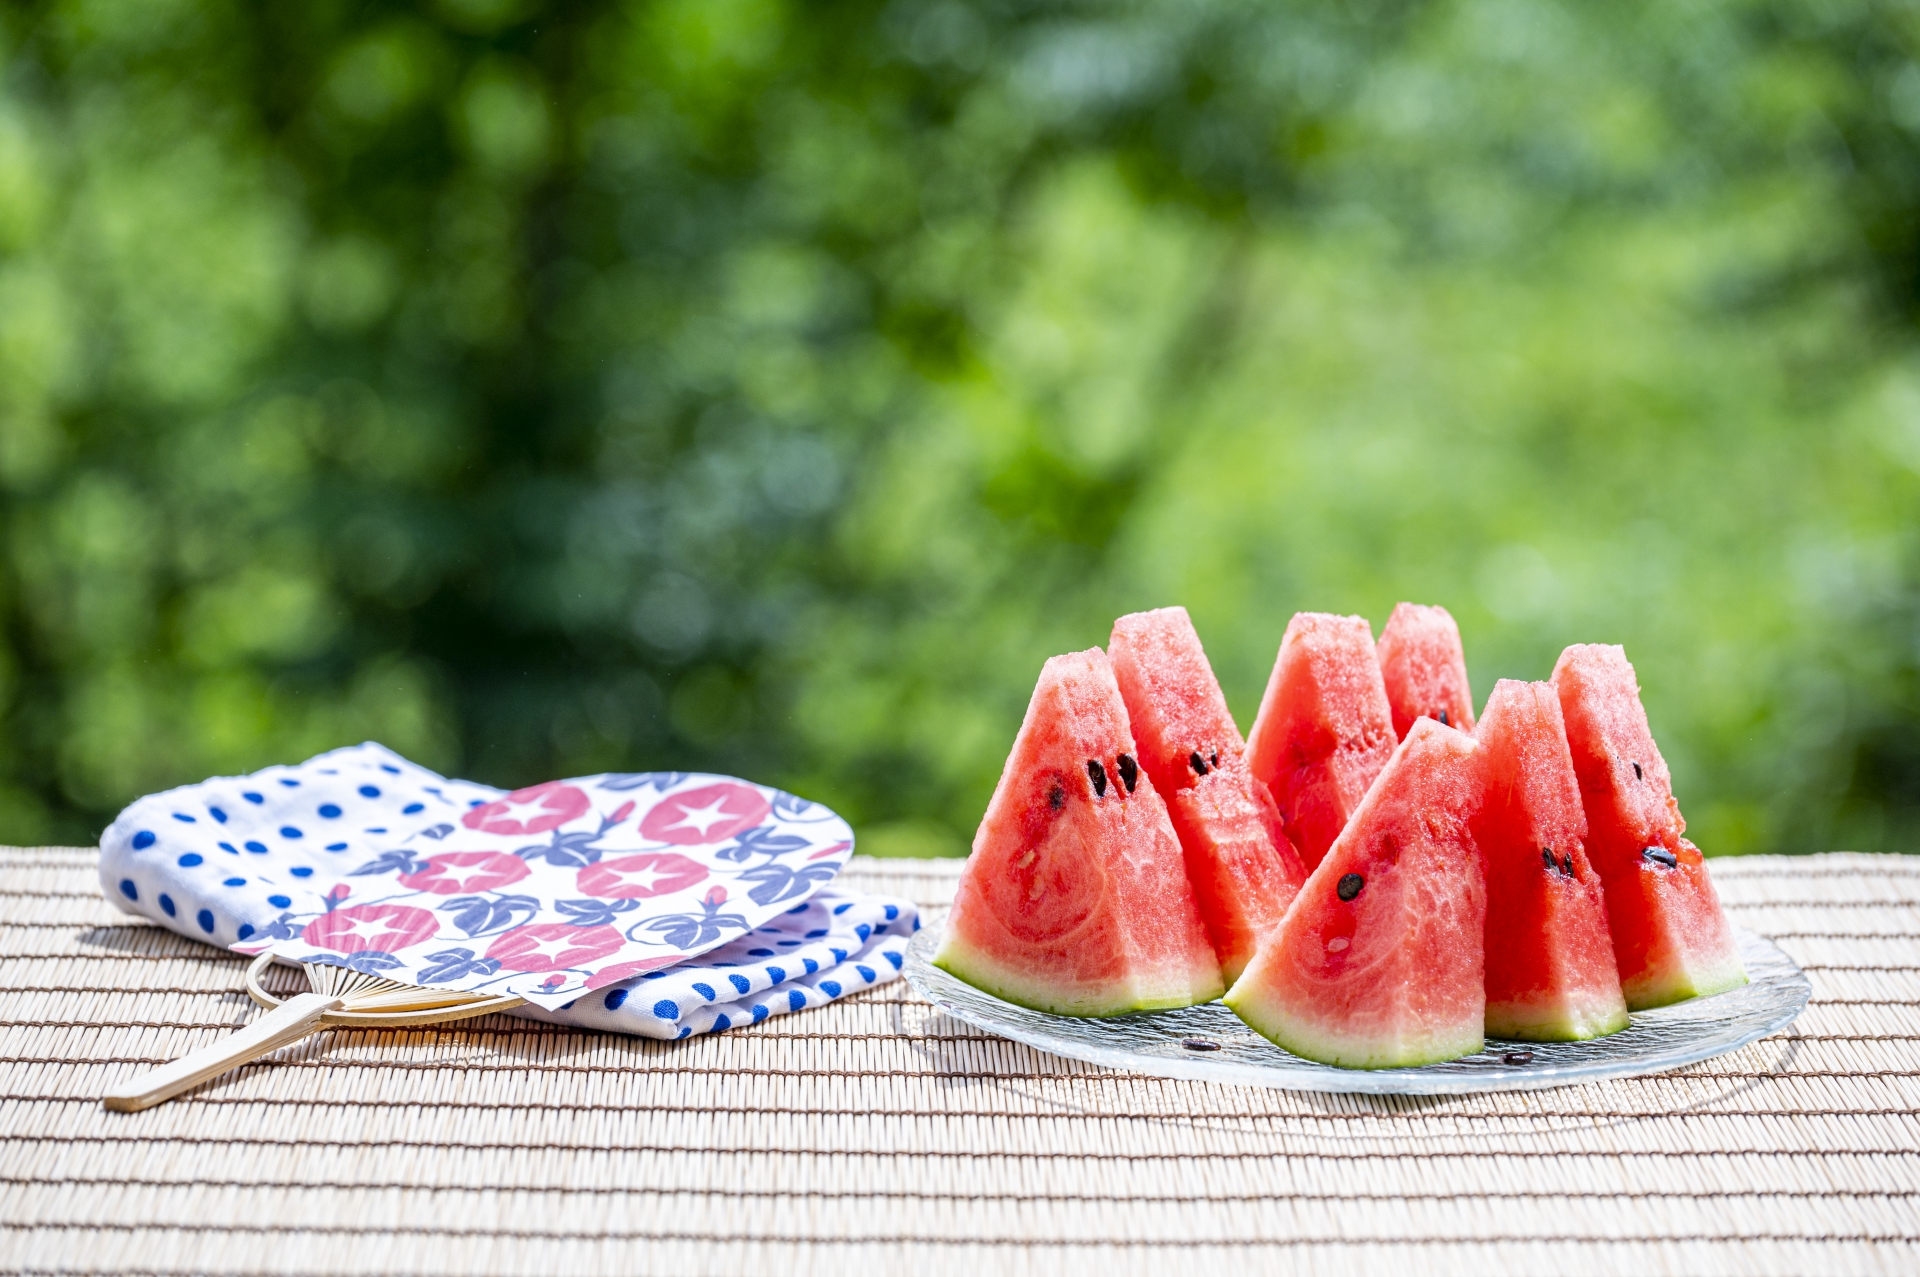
<point>577,895</point>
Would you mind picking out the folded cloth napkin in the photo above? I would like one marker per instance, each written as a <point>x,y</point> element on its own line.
<point>252,862</point>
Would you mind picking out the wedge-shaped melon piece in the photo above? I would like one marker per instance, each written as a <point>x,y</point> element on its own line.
<point>1324,729</point>
<point>1244,871</point>
<point>1550,969</point>
<point>1075,899</point>
<point>1379,963</point>
<point>1424,668</point>
<point>1670,939</point>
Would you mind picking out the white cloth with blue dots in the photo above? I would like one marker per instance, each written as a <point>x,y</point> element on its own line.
<point>220,863</point>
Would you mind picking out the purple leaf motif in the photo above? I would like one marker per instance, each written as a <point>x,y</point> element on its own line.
<point>775,883</point>
<point>690,930</point>
<point>767,840</point>
<point>489,915</point>
<point>400,860</point>
<point>455,964</point>
<point>589,912</point>
<point>367,962</point>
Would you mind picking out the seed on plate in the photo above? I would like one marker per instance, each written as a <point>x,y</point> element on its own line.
<point>1198,763</point>
<point>1660,856</point>
<point>1518,1057</point>
<point>1129,772</point>
<point>1349,886</point>
<point>1200,1044</point>
<point>1098,775</point>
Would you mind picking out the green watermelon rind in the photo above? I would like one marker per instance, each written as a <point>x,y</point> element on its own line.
<point>1517,1023</point>
<point>1290,1034</point>
<point>962,963</point>
<point>1685,986</point>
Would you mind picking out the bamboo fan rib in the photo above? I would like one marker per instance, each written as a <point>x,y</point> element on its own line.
<point>363,994</point>
<point>356,989</point>
<point>874,1133</point>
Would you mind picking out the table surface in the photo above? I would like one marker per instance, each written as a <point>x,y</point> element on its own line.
<point>878,1132</point>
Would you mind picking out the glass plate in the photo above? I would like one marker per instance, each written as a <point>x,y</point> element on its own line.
<point>1210,1044</point>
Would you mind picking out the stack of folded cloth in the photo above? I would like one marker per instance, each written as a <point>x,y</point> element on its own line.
<point>659,903</point>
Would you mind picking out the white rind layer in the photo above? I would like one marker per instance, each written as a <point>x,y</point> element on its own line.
<point>1555,1021</point>
<point>1145,991</point>
<point>1326,1045</point>
<point>1646,993</point>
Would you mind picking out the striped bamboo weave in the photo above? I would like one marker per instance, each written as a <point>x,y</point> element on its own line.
<point>875,1135</point>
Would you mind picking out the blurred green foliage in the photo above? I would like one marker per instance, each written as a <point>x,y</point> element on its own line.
<point>772,387</point>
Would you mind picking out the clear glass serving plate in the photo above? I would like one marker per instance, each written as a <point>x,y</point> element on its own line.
<point>1209,1044</point>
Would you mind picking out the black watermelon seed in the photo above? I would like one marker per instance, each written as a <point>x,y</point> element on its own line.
<point>1215,760</point>
<point>1566,864</point>
<point>1200,1044</point>
<point>1518,1057</point>
<point>1057,797</point>
<point>1546,858</point>
<point>1129,772</point>
<point>1349,886</point>
<point>1661,856</point>
<point>1636,771</point>
<point>1198,763</point>
<point>1443,719</point>
<point>1098,775</point>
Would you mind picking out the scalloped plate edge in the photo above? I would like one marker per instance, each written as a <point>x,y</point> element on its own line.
<point>1151,1043</point>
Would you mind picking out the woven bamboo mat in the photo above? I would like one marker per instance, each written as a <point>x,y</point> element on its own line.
<point>875,1133</point>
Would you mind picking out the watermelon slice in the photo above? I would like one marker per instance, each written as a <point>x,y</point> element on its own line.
<point>1324,729</point>
<point>1550,970</point>
<point>1244,871</point>
<point>1075,899</point>
<point>1424,668</point>
<point>1379,963</point>
<point>1670,938</point>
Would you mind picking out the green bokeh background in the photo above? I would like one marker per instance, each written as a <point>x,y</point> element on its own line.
<point>771,387</point>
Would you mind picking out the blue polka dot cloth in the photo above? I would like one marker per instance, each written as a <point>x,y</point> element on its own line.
<point>832,945</point>
<point>360,858</point>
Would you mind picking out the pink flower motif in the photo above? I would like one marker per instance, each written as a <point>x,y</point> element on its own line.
<point>384,928</point>
<point>659,873</point>
<point>715,898</point>
<point>529,811</point>
<point>453,872</point>
<point>554,946</point>
<point>711,813</point>
<point>627,970</point>
<point>340,891</point>
<point>621,813</point>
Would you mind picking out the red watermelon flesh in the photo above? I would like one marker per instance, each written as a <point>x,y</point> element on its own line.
<point>1324,729</point>
<point>1550,969</point>
<point>1670,938</point>
<point>1075,899</point>
<point>1425,668</point>
<point>1379,963</point>
<point>1244,871</point>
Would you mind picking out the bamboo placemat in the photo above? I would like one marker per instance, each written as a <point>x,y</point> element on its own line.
<point>876,1135</point>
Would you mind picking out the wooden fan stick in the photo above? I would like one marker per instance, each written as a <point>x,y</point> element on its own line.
<point>338,997</point>
<point>289,1022</point>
